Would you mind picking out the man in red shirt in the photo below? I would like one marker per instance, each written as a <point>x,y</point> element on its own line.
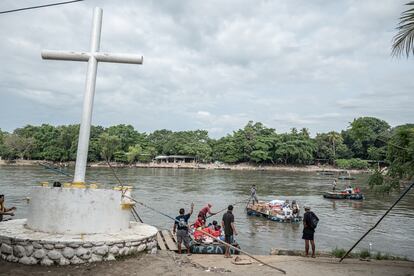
<point>206,210</point>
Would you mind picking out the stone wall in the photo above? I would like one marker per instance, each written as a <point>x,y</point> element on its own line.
<point>32,252</point>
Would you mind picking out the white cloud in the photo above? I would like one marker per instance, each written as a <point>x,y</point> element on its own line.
<point>213,65</point>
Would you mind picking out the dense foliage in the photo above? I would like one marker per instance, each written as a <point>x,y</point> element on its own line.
<point>400,157</point>
<point>365,139</point>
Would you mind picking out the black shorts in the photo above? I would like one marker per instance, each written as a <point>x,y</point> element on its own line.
<point>228,239</point>
<point>308,234</point>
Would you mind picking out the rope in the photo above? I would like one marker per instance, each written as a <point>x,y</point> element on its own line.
<point>376,224</point>
<point>54,169</point>
<point>41,6</point>
<point>135,213</point>
<point>224,209</point>
<point>117,178</point>
<point>225,243</point>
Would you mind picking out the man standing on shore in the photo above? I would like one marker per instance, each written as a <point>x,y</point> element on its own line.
<point>310,221</point>
<point>181,224</point>
<point>229,229</point>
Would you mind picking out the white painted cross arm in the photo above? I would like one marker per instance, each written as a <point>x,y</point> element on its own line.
<point>100,56</point>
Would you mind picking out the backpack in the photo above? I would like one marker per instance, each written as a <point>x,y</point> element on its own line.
<point>313,220</point>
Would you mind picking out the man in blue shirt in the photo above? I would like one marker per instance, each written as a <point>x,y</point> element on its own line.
<point>181,225</point>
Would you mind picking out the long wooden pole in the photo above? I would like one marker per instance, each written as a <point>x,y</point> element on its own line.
<point>242,251</point>
<point>378,222</point>
<point>224,209</point>
<point>225,243</point>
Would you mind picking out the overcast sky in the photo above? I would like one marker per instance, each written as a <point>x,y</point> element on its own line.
<point>210,65</point>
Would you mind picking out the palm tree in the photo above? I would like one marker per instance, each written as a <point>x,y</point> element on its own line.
<point>403,43</point>
<point>334,138</point>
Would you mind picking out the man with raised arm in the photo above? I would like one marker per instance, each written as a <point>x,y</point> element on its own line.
<point>181,227</point>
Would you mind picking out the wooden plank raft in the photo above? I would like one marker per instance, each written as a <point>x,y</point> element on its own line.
<point>167,241</point>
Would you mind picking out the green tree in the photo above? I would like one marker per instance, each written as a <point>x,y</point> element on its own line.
<point>133,153</point>
<point>366,132</point>
<point>400,156</point>
<point>403,43</point>
<point>334,139</point>
<point>108,144</point>
<point>127,135</point>
<point>19,146</point>
<point>227,150</point>
<point>147,154</point>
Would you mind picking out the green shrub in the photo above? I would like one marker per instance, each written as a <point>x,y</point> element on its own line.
<point>364,254</point>
<point>338,252</point>
<point>353,163</point>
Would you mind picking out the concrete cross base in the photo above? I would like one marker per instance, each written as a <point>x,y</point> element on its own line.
<point>21,244</point>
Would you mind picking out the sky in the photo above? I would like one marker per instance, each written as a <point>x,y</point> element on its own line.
<point>212,65</point>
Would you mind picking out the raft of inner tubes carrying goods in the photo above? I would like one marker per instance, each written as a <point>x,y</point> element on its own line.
<point>343,195</point>
<point>275,210</point>
<point>212,247</point>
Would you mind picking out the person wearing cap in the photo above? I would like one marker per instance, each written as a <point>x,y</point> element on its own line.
<point>309,230</point>
<point>181,225</point>
<point>5,211</point>
<point>206,210</point>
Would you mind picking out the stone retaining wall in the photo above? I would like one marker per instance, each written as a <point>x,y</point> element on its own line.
<point>32,252</point>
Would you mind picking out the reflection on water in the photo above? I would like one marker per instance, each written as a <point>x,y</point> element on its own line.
<point>342,222</point>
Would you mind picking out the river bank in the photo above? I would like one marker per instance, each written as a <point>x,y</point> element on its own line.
<point>197,166</point>
<point>168,263</point>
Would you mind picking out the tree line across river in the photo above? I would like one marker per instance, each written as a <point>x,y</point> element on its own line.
<point>366,138</point>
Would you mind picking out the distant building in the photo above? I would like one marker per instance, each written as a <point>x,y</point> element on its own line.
<point>175,159</point>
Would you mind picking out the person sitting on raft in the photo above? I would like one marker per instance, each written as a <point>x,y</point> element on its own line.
<point>295,208</point>
<point>213,226</point>
<point>5,211</point>
<point>200,229</point>
<point>206,210</point>
<point>349,190</point>
<point>199,223</point>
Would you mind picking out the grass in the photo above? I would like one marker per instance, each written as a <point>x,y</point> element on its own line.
<point>338,252</point>
<point>380,256</point>
<point>365,254</point>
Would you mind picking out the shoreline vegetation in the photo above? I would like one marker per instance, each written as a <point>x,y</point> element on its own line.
<point>367,144</point>
<point>192,165</point>
<point>339,252</point>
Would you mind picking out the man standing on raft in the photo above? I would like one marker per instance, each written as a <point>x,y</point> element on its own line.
<point>206,210</point>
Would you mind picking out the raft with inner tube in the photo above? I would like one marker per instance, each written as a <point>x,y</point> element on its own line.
<point>211,248</point>
<point>345,177</point>
<point>274,211</point>
<point>343,195</point>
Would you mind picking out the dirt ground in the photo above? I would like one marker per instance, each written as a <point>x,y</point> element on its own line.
<point>168,263</point>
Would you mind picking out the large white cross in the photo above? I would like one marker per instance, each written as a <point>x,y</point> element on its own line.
<point>92,58</point>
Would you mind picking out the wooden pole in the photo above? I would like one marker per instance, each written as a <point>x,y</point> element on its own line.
<point>242,251</point>
<point>376,224</point>
<point>227,244</point>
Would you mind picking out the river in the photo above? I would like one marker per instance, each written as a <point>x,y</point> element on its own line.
<point>341,222</point>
